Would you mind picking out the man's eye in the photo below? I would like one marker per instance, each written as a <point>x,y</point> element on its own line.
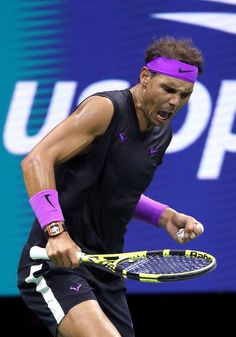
<point>169,90</point>
<point>186,95</point>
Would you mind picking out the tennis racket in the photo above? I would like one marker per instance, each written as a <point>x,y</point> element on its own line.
<point>148,266</point>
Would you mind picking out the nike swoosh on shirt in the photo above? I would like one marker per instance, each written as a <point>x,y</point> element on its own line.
<point>153,150</point>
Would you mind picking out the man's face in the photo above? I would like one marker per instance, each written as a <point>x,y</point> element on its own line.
<point>162,96</point>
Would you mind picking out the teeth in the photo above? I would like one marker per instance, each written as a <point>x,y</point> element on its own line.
<point>163,114</point>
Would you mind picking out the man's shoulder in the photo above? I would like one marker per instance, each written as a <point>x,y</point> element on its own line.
<point>114,94</point>
<point>121,99</point>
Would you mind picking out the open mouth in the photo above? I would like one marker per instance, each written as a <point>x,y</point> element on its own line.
<point>164,115</point>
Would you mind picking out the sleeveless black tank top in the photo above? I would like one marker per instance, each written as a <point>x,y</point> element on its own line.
<point>98,191</point>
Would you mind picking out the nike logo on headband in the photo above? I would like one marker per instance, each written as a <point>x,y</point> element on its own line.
<point>184,71</point>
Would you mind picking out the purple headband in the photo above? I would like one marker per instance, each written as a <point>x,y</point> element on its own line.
<point>173,68</point>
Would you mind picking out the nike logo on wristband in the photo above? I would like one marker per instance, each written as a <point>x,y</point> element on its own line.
<point>48,200</point>
<point>184,71</point>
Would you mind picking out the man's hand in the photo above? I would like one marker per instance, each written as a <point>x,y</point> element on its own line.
<point>181,227</point>
<point>62,251</point>
<point>181,234</point>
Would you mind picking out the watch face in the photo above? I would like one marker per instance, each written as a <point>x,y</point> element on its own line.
<point>55,229</point>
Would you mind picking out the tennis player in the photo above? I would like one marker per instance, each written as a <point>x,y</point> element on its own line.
<point>86,180</point>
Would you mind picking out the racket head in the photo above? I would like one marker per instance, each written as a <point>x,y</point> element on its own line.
<point>164,265</point>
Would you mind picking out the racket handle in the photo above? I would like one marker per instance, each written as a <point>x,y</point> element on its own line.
<point>39,253</point>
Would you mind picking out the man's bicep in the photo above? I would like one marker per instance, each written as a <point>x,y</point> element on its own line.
<point>77,132</point>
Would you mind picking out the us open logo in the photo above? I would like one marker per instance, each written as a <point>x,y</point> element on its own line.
<point>203,113</point>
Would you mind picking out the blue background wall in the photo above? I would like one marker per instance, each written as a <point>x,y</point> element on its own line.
<point>55,53</point>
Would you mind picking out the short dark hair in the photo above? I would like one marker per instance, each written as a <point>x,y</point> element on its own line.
<point>178,49</point>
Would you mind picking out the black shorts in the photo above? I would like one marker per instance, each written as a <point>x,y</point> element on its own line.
<point>50,292</point>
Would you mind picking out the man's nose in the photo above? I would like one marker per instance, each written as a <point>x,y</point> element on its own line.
<point>174,100</point>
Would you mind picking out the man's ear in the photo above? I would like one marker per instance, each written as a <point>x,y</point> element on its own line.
<point>144,76</point>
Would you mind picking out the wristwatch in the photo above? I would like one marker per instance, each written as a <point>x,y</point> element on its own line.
<point>54,229</point>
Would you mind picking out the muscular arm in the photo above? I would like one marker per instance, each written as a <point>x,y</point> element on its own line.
<point>72,136</point>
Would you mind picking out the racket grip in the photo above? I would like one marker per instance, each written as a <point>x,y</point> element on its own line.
<point>39,253</point>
